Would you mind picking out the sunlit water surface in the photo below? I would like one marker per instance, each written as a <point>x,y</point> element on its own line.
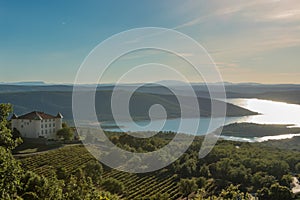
<point>271,112</point>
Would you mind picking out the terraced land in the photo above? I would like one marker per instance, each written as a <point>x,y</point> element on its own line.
<point>69,157</point>
<point>137,186</point>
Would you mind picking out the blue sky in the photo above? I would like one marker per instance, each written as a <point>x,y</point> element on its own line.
<point>255,41</point>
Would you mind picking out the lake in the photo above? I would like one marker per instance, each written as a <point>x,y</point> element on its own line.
<point>271,112</point>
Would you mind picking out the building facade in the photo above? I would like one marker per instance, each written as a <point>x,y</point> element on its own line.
<point>37,124</point>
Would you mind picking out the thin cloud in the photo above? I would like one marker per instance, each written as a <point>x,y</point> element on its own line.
<point>257,10</point>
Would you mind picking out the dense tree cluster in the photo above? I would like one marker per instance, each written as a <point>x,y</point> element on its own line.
<point>65,133</point>
<point>231,168</point>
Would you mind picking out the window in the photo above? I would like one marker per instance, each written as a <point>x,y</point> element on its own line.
<point>45,125</point>
<point>22,126</point>
<point>45,120</point>
<point>42,126</point>
<point>49,125</point>
<point>45,131</point>
<point>53,124</point>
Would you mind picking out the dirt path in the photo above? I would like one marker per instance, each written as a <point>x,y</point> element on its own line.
<point>42,152</point>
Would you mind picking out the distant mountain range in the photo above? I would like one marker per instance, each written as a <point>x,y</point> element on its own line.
<point>58,98</point>
<point>140,103</point>
<point>24,83</point>
<point>170,82</point>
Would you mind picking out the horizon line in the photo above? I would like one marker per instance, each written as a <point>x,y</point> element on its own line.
<point>44,83</point>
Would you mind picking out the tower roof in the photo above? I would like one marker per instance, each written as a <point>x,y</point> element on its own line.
<point>14,116</point>
<point>59,115</point>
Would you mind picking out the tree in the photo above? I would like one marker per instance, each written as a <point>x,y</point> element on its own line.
<point>94,170</point>
<point>204,171</point>
<point>16,134</point>
<point>66,133</point>
<point>187,186</point>
<point>6,137</point>
<point>278,192</point>
<point>262,179</point>
<point>35,187</point>
<point>10,173</point>
<point>201,181</point>
<point>277,168</point>
<point>286,180</point>
<point>78,188</point>
<point>61,173</point>
<point>263,194</point>
<point>233,192</point>
<point>114,186</point>
<point>10,170</point>
<point>188,168</point>
<point>64,125</point>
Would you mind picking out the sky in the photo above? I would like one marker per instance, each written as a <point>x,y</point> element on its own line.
<point>250,41</point>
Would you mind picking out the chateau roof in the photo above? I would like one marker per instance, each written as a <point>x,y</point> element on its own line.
<point>59,115</point>
<point>14,116</point>
<point>35,115</point>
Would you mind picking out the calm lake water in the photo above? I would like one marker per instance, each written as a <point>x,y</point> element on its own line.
<point>271,112</point>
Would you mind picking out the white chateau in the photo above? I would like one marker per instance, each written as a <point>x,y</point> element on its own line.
<point>37,124</point>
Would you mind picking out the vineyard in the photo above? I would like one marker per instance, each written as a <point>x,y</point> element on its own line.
<point>69,157</point>
<point>137,186</point>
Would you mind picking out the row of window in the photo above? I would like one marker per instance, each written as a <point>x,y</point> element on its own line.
<point>48,131</point>
<point>22,125</point>
<point>42,126</point>
<point>26,120</point>
<point>48,120</point>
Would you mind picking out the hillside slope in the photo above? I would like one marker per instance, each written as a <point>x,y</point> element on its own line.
<point>58,101</point>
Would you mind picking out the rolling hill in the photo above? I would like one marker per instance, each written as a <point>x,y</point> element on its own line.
<point>61,101</point>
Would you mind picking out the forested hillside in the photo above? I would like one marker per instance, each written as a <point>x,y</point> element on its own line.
<point>232,168</point>
<point>53,102</point>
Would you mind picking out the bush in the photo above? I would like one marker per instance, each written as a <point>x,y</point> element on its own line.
<point>114,186</point>
<point>187,186</point>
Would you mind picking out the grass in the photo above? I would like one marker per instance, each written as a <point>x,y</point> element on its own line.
<point>28,147</point>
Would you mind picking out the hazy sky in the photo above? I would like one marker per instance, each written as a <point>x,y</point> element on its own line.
<point>251,41</point>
